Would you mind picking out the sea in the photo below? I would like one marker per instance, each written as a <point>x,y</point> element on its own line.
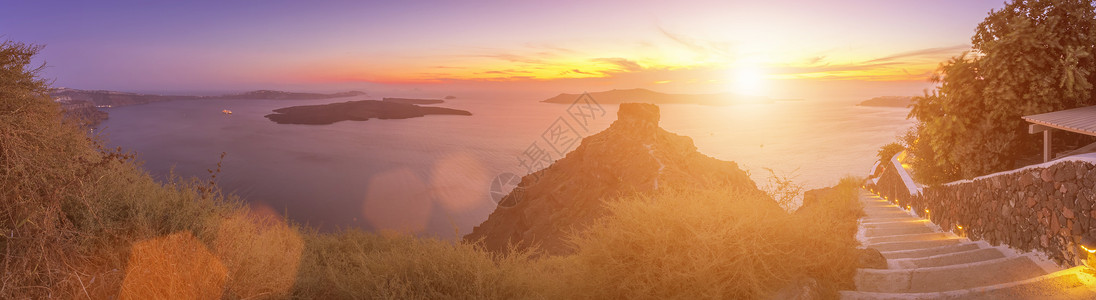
<point>433,176</point>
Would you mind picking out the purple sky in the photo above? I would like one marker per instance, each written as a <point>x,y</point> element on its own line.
<point>219,46</point>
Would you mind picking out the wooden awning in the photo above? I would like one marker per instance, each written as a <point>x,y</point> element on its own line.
<point>1080,120</point>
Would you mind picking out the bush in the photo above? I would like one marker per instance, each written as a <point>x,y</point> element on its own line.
<point>46,166</point>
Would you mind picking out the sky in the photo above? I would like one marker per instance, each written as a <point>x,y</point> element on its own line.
<point>781,48</point>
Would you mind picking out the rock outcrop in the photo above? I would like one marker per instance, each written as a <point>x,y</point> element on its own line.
<point>632,156</point>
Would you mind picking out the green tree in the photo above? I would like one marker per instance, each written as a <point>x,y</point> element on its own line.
<point>1029,57</point>
<point>889,150</point>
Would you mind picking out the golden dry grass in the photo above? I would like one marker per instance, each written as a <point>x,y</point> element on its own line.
<point>176,266</point>
<point>708,244</point>
<point>356,264</point>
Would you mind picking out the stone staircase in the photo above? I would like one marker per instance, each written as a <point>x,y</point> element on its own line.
<point>924,262</point>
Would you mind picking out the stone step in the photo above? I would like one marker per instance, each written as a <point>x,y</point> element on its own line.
<point>877,205</point>
<point>905,218</point>
<point>898,230</point>
<point>948,278</point>
<point>887,214</point>
<point>926,263</point>
<point>955,258</point>
<point>894,224</point>
<point>1067,284</point>
<point>929,236</point>
<point>912,245</point>
<point>932,251</point>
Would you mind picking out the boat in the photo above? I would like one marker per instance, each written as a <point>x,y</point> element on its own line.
<point>227,112</point>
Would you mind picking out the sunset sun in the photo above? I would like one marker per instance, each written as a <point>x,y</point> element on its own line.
<point>747,80</point>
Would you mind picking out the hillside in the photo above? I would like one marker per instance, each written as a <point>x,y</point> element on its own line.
<point>633,156</point>
<point>281,95</point>
<point>103,98</point>
<point>648,96</point>
<point>83,111</point>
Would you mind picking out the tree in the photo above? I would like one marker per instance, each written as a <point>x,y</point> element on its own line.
<point>889,150</point>
<point>1029,57</point>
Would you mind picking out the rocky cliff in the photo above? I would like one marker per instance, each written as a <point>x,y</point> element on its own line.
<point>84,112</point>
<point>633,156</point>
<point>111,98</point>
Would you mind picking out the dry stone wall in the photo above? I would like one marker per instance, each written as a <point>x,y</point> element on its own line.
<point>1048,209</point>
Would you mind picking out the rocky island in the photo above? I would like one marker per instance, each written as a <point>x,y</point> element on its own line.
<point>648,96</point>
<point>356,111</point>
<point>280,95</point>
<point>413,101</point>
<point>888,101</point>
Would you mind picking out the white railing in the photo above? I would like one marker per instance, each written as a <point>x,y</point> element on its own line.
<point>907,180</point>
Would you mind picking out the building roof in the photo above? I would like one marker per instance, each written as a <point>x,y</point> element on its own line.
<point>1079,120</point>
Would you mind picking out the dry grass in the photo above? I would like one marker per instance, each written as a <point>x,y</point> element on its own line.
<point>79,221</point>
<point>709,244</point>
<point>356,264</point>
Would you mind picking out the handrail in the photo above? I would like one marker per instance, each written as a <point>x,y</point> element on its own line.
<point>873,168</point>
<point>907,180</point>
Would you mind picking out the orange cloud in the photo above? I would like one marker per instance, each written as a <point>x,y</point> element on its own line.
<point>677,62</point>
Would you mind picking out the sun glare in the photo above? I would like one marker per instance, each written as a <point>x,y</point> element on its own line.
<point>748,80</point>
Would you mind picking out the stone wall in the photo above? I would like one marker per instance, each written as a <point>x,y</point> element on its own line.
<point>1048,208</point>
<point>891,186</point>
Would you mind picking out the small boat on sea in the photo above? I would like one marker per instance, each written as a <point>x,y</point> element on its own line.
<point>227,112</point>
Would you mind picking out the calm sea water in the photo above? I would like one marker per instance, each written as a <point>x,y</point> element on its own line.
<point>432,175</point>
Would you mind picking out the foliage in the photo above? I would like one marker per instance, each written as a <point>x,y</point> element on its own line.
<point>1029,57</point>
<point>43,164</point>
<point>889,150</point>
